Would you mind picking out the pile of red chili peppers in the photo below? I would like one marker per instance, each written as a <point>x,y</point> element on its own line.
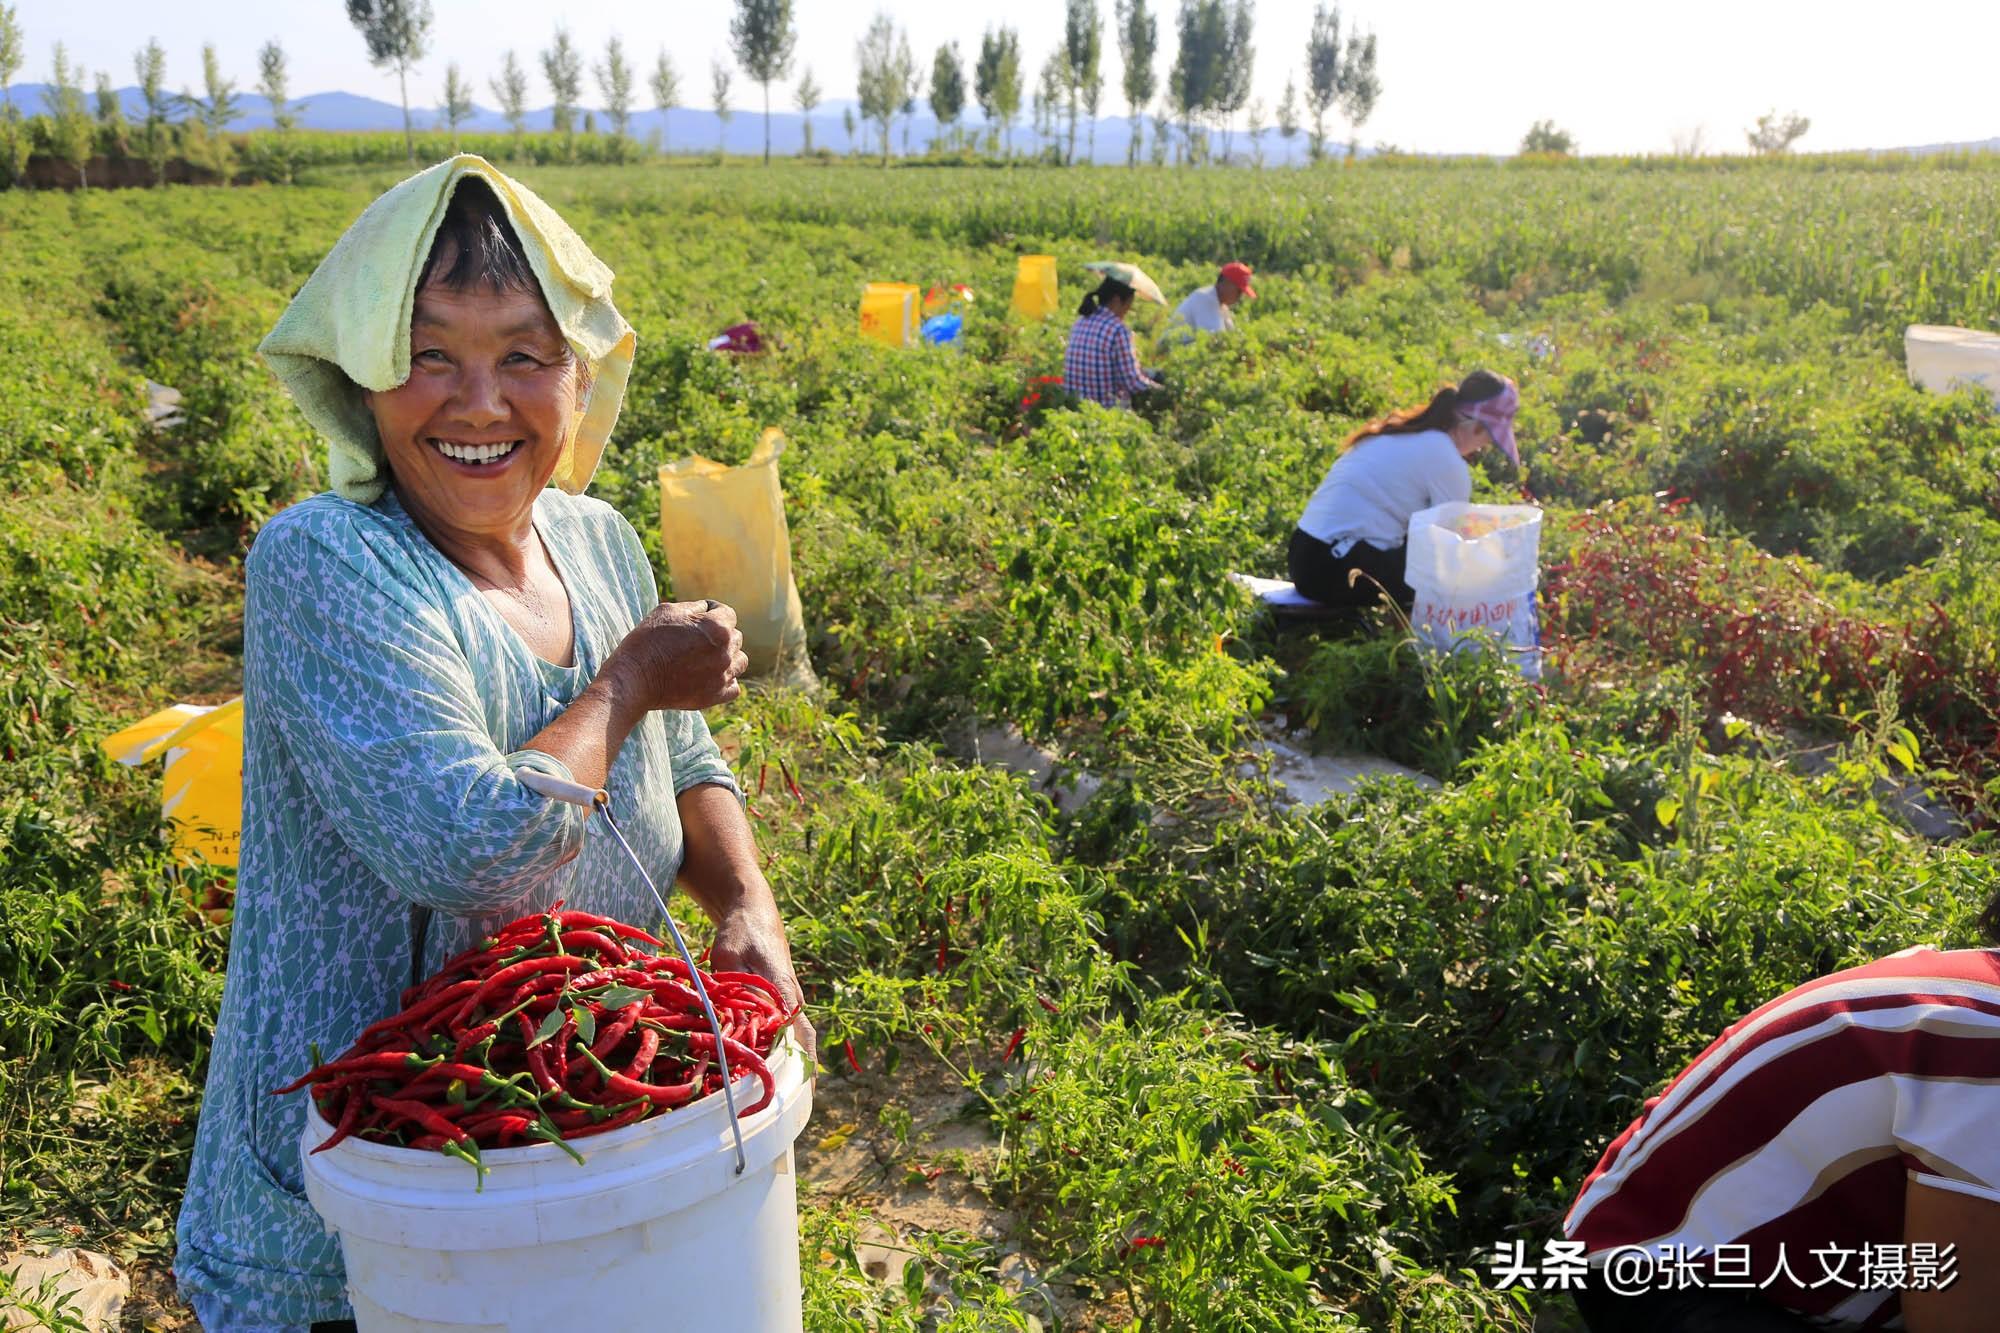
<point>555,1028</point>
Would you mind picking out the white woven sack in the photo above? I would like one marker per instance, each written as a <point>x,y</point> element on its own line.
<point>1474,569</point>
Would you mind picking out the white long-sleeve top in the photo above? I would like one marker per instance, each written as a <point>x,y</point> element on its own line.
<point>1371,490</point>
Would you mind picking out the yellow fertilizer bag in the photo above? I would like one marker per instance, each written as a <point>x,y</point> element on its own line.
<point>203,793</point>
<point>724,532</point>
<point>1035,289</point>
<point>889,312</point>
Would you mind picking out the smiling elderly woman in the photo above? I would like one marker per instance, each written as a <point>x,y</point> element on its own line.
<point>413,642</point>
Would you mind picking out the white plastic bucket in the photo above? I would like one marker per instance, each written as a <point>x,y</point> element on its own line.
<point>1943,359</point>
<point>1474,569</point>
<point>655,1231</point>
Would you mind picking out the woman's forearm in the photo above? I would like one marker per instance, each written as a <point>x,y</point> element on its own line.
<point>587,735</point>
<point>720,872</point>
<point>719,866</point>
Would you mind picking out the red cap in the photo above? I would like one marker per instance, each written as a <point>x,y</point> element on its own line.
<point>1240,275</point>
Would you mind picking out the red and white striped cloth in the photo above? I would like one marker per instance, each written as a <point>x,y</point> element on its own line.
<point>1800,1127</point>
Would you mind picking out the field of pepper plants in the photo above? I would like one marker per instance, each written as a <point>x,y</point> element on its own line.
<point>1189,1056</point>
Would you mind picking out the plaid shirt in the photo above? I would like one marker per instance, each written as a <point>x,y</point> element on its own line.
<point>1098,363</point>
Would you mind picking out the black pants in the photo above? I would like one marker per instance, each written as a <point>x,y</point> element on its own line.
<point>1319,574</point>
<point>1696,1310</point>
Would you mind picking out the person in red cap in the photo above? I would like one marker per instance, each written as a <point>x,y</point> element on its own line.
<point>1207,310</point>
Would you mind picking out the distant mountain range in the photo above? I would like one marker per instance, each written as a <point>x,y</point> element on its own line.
<point>687,129</point>
<point>1980,146</point>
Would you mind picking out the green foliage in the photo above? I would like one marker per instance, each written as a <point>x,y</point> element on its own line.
<point>1412,1017</point>
<point>1169,1156</point>
<point>950,1284</point>
<point>1544,138</point>
<point>1385,695</point>
<point>47,1305</point>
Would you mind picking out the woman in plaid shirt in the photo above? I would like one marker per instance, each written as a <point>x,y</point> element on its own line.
<point>1099,363</point>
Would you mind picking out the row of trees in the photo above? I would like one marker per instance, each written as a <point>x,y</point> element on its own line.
<point>1205,90</point>
<point>80,125</point>
<point>1771,136</point>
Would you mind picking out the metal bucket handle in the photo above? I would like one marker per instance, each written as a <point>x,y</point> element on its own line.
<point>598,800</point>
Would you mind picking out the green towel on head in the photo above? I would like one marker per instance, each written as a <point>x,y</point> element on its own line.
<point>348,329</point>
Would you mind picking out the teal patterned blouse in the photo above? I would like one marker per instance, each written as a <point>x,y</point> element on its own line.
<point>386,707</point>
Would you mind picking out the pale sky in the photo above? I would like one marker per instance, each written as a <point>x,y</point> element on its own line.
<point>1457,76</point>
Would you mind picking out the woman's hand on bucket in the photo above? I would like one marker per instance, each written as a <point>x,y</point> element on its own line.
<point>684,655</point>
<point>748,940</point>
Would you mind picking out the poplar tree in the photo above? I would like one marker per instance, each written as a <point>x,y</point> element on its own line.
<point>614,80</point>
<point>1054,82</point>
<point>888,74</point>
<point>762,35</point>
<point>1138,43</point>
<point>457,102</point>
<point>13,134</point>
<point>110,114</point>
<point>74,134</point>
<point>510,90</point>
<point>562,67</point>
<point>12,55</point>
<point>213,113</point>
<point>1322,74</point>
<point>274,84</point>
<point>1198,84</point>
<point>398,34</point>
<point>1234,67</point>
<point>947,86</point>
<point>1360,86</point>
<point>718,82</point>
<point>997,82</point>
<point>1338,75</point>
<point>149,63</point>
<point>807,98</point>
<point>1083,50</point>
<point>666,83</point>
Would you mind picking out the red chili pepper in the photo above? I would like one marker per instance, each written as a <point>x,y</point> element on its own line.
<point>750,979</point>
<point>576,941</point>
<point>642,1059</point>
<point>115,984</point>
<point>666,1094</point>
<point>1013,1044</point>
<point>427,1117</point>
<point>1048,1004</point>
<point>451,1053</point>
<point>852,1062</point>
<point>384,1062</point>
<point>614,1031</point>
<point>527,967</point>
<point>350,1115</point>
<point>618,1121</point>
